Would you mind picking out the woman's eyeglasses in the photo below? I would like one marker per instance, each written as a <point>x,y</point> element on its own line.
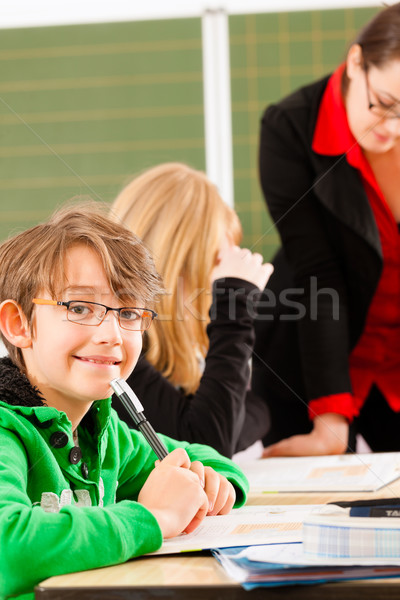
<point>385,111</point>
<point>93,313</point>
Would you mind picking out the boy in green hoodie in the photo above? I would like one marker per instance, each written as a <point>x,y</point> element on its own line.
<point>78,489</point>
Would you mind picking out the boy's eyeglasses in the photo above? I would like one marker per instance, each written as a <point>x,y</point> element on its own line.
<point>93,313</point>
<point>386,111</point>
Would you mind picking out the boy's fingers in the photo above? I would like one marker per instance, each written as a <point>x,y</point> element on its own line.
<point>178,458</point>
<point>212,484</point>
<point>225,500</point>
<point>198,468</point>
<point>198,518</point>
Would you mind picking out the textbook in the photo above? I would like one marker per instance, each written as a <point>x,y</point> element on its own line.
<point>331,533</point>
<point>285,564</point>
<point>336,473</point>
<point>294,555</point>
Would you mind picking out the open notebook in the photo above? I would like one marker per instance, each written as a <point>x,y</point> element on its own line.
<point>338,473</point>
<point>246,526</point>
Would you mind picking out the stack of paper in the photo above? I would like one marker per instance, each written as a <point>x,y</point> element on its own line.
<point>335,547</point>
<point>261,546</point>
<point>286,564</point>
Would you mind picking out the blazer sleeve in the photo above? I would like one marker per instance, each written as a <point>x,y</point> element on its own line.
<point>288,180</point>
<point>215,413</point>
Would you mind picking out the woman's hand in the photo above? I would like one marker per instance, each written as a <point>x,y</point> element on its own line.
<point>242,263</point>
<point>329,436</point>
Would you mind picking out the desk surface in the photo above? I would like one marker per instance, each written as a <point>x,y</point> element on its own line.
<point>200,577</point>
<point>195,578</point>
<point>392,490</point>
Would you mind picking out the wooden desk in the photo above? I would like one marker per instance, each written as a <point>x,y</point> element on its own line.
<point>392,490</point>
<point>198,577</point>
<point>195,578</point>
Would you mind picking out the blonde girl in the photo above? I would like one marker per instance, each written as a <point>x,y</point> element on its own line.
<point>194,373</point>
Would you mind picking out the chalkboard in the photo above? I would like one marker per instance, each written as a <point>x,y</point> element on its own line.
<point>84,108</point>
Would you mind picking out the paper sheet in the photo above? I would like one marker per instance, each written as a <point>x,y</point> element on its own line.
<point>294,555</point>
<point>243,527</point>
<point>338,473</point>
<point>284,564</point>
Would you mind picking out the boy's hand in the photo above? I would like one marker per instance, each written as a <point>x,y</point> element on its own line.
<point>220,492</point>
<point>174,494</point>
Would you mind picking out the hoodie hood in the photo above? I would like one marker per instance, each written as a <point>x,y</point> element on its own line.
<point>15,387</point>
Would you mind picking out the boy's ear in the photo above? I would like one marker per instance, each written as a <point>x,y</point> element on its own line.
<point>14,324</point>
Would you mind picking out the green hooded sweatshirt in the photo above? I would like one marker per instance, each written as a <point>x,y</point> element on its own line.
<point>65,508</point>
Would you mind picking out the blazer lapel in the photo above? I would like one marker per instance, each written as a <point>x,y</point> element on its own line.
<point>339,189</point>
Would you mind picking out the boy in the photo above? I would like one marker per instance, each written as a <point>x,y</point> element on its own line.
<point>78,489</point>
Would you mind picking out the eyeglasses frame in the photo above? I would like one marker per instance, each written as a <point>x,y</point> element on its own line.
<point>42,301</point>
<point>371,105</point>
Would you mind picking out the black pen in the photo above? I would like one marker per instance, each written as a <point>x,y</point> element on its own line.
<point>376,511</point>
<point>135,410</point>
<point>377,507</point>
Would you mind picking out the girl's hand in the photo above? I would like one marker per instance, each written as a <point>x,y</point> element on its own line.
<point>242,263</point>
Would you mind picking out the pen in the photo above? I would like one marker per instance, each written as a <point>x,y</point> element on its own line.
<point>379,507</point>
<point>375,511</point>
<point>135,410</point>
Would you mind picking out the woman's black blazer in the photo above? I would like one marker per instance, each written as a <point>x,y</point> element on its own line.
<point>331,255</point>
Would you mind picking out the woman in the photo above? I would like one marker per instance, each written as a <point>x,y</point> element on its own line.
<point>193,376</point>
<point>330,172</point>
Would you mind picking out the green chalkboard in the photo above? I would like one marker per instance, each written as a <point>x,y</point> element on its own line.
<point>84,108</point>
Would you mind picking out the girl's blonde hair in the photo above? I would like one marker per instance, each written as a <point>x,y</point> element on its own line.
<point>181,218</point>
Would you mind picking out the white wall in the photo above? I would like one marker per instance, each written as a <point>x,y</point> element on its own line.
<point>26,13</point>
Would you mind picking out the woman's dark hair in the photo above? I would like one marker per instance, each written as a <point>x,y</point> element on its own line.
<point>379,40</point>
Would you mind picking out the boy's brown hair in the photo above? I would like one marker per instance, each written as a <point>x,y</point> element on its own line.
<point>33,260</point>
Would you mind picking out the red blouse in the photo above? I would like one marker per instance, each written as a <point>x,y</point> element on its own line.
<point>376,357</point>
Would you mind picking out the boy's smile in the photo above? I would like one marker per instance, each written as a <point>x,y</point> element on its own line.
<point>72,364</point>
<point>100,360</point>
